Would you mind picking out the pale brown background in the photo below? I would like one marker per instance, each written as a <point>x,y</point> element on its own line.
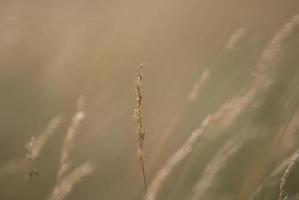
<point>51,52</point>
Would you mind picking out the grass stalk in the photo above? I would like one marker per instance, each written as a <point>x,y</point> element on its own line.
<point>139,120</point>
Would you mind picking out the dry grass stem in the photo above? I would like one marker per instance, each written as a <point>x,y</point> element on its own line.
<point>139,120</point>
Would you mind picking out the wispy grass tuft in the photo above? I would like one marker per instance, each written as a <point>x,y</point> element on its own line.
<point>235,38</point>
<point>66,178</point>
<point>67,183</point>
<point>34,148</point>
<point>68,144</point>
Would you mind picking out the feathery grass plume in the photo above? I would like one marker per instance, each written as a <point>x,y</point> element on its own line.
<point>198,85</point>
<point>274,47</point>
<point>283,195</point>
<point>35,146</point>
<point>226,115</point>
<point>186,148</point>
<point>269,57</point>
<point>67,183</point>
<point>139,120</point>
<point>68,144</point>
<point>213,169</point>
<point>33,149</point>
<point>27,162</point>
<point>235,38</point>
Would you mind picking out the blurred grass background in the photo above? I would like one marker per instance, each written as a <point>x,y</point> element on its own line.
<point>51,52</point>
